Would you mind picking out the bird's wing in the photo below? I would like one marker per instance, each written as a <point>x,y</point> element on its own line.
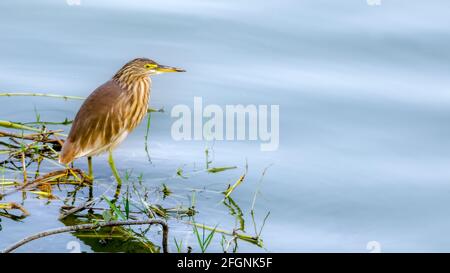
<point>96,124</point>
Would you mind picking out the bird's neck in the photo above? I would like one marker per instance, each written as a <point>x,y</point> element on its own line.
<point>133,83</point>
<point>134,98</point>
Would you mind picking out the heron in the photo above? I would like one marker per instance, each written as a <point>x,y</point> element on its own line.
<point>111,112</point>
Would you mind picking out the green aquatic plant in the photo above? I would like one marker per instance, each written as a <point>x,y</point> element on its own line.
<point>220,169</point>
<point>179,245</point>
<point>203,239</point>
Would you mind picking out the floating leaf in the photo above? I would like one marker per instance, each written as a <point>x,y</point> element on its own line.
<point>220,169</point>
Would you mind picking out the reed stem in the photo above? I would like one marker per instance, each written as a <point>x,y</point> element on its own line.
<point>28,94</point>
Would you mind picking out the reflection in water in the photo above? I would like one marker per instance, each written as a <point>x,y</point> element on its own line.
<point>109,239</point>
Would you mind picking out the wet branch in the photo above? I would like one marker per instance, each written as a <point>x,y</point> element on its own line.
<point>50,232</point>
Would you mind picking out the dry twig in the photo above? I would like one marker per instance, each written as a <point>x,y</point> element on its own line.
<point>51,176</point>
<point>13,205</point>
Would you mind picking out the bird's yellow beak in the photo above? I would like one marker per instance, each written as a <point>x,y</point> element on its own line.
<point>164,69</point>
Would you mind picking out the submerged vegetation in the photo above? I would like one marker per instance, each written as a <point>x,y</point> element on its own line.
<point>128,219</point>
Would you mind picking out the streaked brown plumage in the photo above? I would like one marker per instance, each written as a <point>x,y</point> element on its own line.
<point>112,111</point>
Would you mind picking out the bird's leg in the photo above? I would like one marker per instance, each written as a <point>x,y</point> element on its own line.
<point>90,172</point>
<point>113,168</point>
<point>117,193</point>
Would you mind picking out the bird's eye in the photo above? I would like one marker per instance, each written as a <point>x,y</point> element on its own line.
<point>150,66</point>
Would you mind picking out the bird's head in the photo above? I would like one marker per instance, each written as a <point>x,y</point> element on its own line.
<point>143,67</point>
